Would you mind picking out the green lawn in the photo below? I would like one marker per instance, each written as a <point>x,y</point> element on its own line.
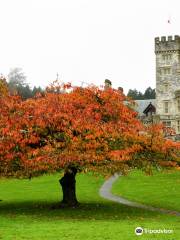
<point>162,189</point>
<point>26,213</point>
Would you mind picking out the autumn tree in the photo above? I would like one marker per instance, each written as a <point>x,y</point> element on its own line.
<point>3,87</point>
<point>156,151</point>
<point>79,129</point>
<point>107,83</point>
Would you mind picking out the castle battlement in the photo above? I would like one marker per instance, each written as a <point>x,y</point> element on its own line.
<point>167,39</point>
<point>167,44</point>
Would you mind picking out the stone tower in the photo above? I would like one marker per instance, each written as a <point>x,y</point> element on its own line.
<point>168,81</point>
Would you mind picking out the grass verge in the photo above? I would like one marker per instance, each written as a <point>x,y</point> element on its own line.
<point>162,189</point>
<point>26,213</point>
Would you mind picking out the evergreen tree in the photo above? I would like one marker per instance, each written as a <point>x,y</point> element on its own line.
<point>137,95</point>
<point>134,94</point>
<point>149,93</point>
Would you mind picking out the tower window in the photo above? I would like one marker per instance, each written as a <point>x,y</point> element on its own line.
<point>178,126</point>
<point>166,87</point>
<point>166,107</point>
<point>178,105</point>
<point>169,57</point>
<point>166,57</point>
<point>167,71</point>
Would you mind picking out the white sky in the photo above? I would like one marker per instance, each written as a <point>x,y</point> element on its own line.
<point>85,40</point>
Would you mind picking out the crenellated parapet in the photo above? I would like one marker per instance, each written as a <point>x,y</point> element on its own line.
<point>167,44</point>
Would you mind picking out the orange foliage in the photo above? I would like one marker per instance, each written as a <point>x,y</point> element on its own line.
<point>88,127</point>
<point>3,87</point>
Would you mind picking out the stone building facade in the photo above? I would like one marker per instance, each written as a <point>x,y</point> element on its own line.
<point>167,51</point>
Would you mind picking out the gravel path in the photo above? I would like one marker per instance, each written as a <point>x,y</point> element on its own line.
<point>105,192</point>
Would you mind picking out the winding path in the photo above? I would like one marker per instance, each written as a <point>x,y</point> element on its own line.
<point>105,192</point>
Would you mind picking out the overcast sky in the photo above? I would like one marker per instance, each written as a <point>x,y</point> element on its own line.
<point>85,40</point>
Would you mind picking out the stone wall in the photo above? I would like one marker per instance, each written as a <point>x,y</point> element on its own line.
<point>167,52</point>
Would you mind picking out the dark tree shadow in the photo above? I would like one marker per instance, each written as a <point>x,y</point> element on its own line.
<point>86,210</point>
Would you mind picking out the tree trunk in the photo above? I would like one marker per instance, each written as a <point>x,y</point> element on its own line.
<point>68,184</point>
